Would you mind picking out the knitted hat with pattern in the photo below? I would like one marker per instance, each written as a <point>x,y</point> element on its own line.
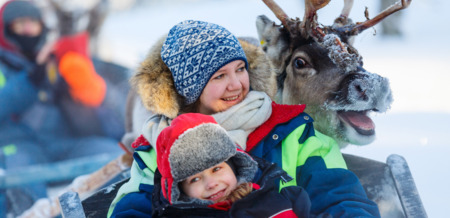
<point>192,143</point>
<point>194,51</point>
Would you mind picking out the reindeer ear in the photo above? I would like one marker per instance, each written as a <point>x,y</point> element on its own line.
<point>266,30</point>
<point>260,69</point>
<point>273,41</point>
<point>154,84</point>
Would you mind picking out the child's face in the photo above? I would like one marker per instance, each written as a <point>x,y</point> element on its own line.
<point>227,87</point>
<point>211,184</point>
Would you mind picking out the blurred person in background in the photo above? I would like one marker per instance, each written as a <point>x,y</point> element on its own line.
<point>50,100</point>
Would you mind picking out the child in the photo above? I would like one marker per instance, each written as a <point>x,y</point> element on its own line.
<point>203,173</point>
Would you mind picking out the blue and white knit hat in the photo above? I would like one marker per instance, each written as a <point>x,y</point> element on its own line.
<point>194,51</point>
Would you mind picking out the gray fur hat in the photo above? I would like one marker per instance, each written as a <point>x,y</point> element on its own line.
<point>192,143</point>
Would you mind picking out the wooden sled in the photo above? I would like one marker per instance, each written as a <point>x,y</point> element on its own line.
<point>389,184</point>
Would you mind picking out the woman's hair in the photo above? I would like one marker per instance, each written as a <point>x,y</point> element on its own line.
<point>190,108</point>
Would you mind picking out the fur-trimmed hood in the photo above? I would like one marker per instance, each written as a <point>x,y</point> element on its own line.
<point>154,82</point>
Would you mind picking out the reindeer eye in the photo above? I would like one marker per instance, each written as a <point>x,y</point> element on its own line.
<point>299,63</point>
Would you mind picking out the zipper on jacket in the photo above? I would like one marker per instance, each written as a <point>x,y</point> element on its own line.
<point>286,178</point>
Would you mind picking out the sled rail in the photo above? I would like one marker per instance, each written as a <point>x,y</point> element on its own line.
<point>389,184</point>
<point>71,205</point>
<point>60,171</point>
<point>404,182</point>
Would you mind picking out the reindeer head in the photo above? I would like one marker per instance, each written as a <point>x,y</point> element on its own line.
<point>318,66</point>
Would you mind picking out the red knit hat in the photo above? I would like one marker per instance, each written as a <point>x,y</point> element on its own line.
<point>192,143</point>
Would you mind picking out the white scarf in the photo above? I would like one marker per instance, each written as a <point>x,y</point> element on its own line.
<point>241,119</point>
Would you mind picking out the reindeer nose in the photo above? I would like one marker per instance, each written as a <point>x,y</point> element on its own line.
<point>370,91</point>
<point>360,91</point>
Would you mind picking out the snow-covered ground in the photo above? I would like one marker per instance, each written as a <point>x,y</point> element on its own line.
<point>417,65</point>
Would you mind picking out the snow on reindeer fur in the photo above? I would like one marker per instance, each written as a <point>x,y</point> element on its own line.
<point>343,59</point>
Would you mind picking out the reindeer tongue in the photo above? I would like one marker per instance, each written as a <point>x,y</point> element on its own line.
<point>358,120</point>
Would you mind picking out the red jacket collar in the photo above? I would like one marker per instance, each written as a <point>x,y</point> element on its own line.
<point>281,113</point>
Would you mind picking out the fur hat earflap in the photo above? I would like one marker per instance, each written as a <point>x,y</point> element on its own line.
<point>155,85</point>
<point>192,143</point>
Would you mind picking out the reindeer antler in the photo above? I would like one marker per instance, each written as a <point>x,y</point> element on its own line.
<point>308,27</point>
<point>332,37</point>
<point>310,24</point>
<point>279,13</point>
<point>348,4</point>
<point>355,29</point>
<point>400,5</point>
<point>292,26</point>
<point>312,6</point>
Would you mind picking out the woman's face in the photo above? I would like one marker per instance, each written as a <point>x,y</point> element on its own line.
<point>227,87</point>
<point>211,184</point>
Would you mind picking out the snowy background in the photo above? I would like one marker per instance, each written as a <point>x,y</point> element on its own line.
<point>417,65</point>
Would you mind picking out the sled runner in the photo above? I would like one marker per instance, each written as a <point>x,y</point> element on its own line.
<point>389,184</point>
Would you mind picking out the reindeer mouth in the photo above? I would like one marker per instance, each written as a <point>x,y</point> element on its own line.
<point>359,121</point>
